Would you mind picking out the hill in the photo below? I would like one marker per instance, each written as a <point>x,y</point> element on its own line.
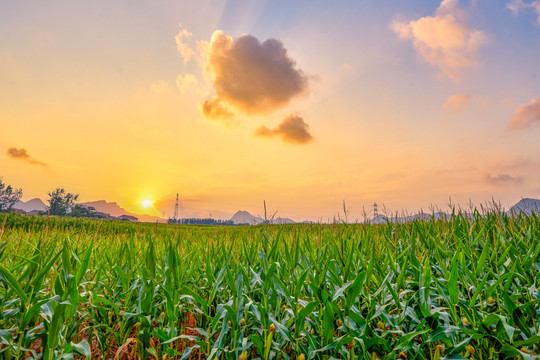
<point>31,205</point>
<point>113,209</point>
<point>244,217</point>
<point>526,205</point>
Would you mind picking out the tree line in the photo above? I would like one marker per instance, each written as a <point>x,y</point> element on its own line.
<point>199,221</point>
<point>60,202</point>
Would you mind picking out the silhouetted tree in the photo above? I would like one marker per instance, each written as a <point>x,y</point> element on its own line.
<point>8,196</point>
<point>60,202</point>
<point>198,221</point>
<point>79,210</point>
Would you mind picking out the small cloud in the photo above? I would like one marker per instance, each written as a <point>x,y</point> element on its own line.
<point>214,110</point>
<point>456,103</point>
<point>186,83</point>
<point>525,115</point>
<point>22,154</point>
<point>253,77</point>
<point>518,6</point>
<point>502,179</point>
<point>292,129</point>
<point>508,102</point>
<point>443,39</point>
<point>183,48</point>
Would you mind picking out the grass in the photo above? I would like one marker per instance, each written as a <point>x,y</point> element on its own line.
<point>460,288</point>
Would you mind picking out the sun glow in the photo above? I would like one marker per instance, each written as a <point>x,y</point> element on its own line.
<point>146,204</point>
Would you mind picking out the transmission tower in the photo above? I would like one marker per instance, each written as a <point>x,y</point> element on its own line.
<point>175,218</point>
<point>375,211</point>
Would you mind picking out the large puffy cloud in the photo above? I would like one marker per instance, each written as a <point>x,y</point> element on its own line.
<point>526,115</point>
<point>443,39</point>
<point>251,76</point>
<point>22,154</point>
<point>456,103</point>
<point>517,6</point>
<point>292,129</point>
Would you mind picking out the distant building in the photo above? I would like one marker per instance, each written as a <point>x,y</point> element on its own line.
<point>127,218</point>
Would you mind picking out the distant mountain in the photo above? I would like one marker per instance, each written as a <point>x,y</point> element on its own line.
<point>526,205</point>
<point>379,219</point>
<point>113,209</point>
<point>281,220</point>
<point>31,205</point>
<point>243,217</point>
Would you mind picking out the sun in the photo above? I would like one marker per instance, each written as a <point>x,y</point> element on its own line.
<point>146,204</point>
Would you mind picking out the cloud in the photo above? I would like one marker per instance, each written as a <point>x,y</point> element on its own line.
<point>22,154</point>
<point>456,103</point>
<point>186,83</point>
<point>517,6</point>
<point>292,129</point>
<point>525,115</point>
<point>183,48</point>
<point>251,76</point>
<point>444,40</point>
<point>502,179</point>
<point>213,109</point>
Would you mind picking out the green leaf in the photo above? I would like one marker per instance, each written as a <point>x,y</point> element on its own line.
<point>8,277</point>
<point>84,265</point>
<point>83,348</point>
<point>355,290</point>
<point>339,292</point>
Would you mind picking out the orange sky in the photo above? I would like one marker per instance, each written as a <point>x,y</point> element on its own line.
<point>303,105</point>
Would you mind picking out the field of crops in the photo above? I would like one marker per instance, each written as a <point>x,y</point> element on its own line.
<point>461,288</point>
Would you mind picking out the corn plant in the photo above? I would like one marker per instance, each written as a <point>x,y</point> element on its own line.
<point>460,287</point>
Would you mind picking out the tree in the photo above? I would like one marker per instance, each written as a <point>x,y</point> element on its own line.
<point>79,210</point>
<point>61,202</point>
<point>8,196</point>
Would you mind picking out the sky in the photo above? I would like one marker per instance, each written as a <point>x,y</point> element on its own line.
<point>302,104</point>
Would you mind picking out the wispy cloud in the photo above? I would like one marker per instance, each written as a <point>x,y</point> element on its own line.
<point>456,103</point>
<point>292,129</point>
<point>444,39</point>
<point>183,47</point>
<point>22,154</point>
<point>502,179</point>
<point>517,6</point>
<point>526,115</point>
<point>187,83</point>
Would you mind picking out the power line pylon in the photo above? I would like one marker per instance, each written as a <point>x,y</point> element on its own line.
<point>175,218</point>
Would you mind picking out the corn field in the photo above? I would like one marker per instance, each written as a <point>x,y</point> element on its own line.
<point>465,287</point>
